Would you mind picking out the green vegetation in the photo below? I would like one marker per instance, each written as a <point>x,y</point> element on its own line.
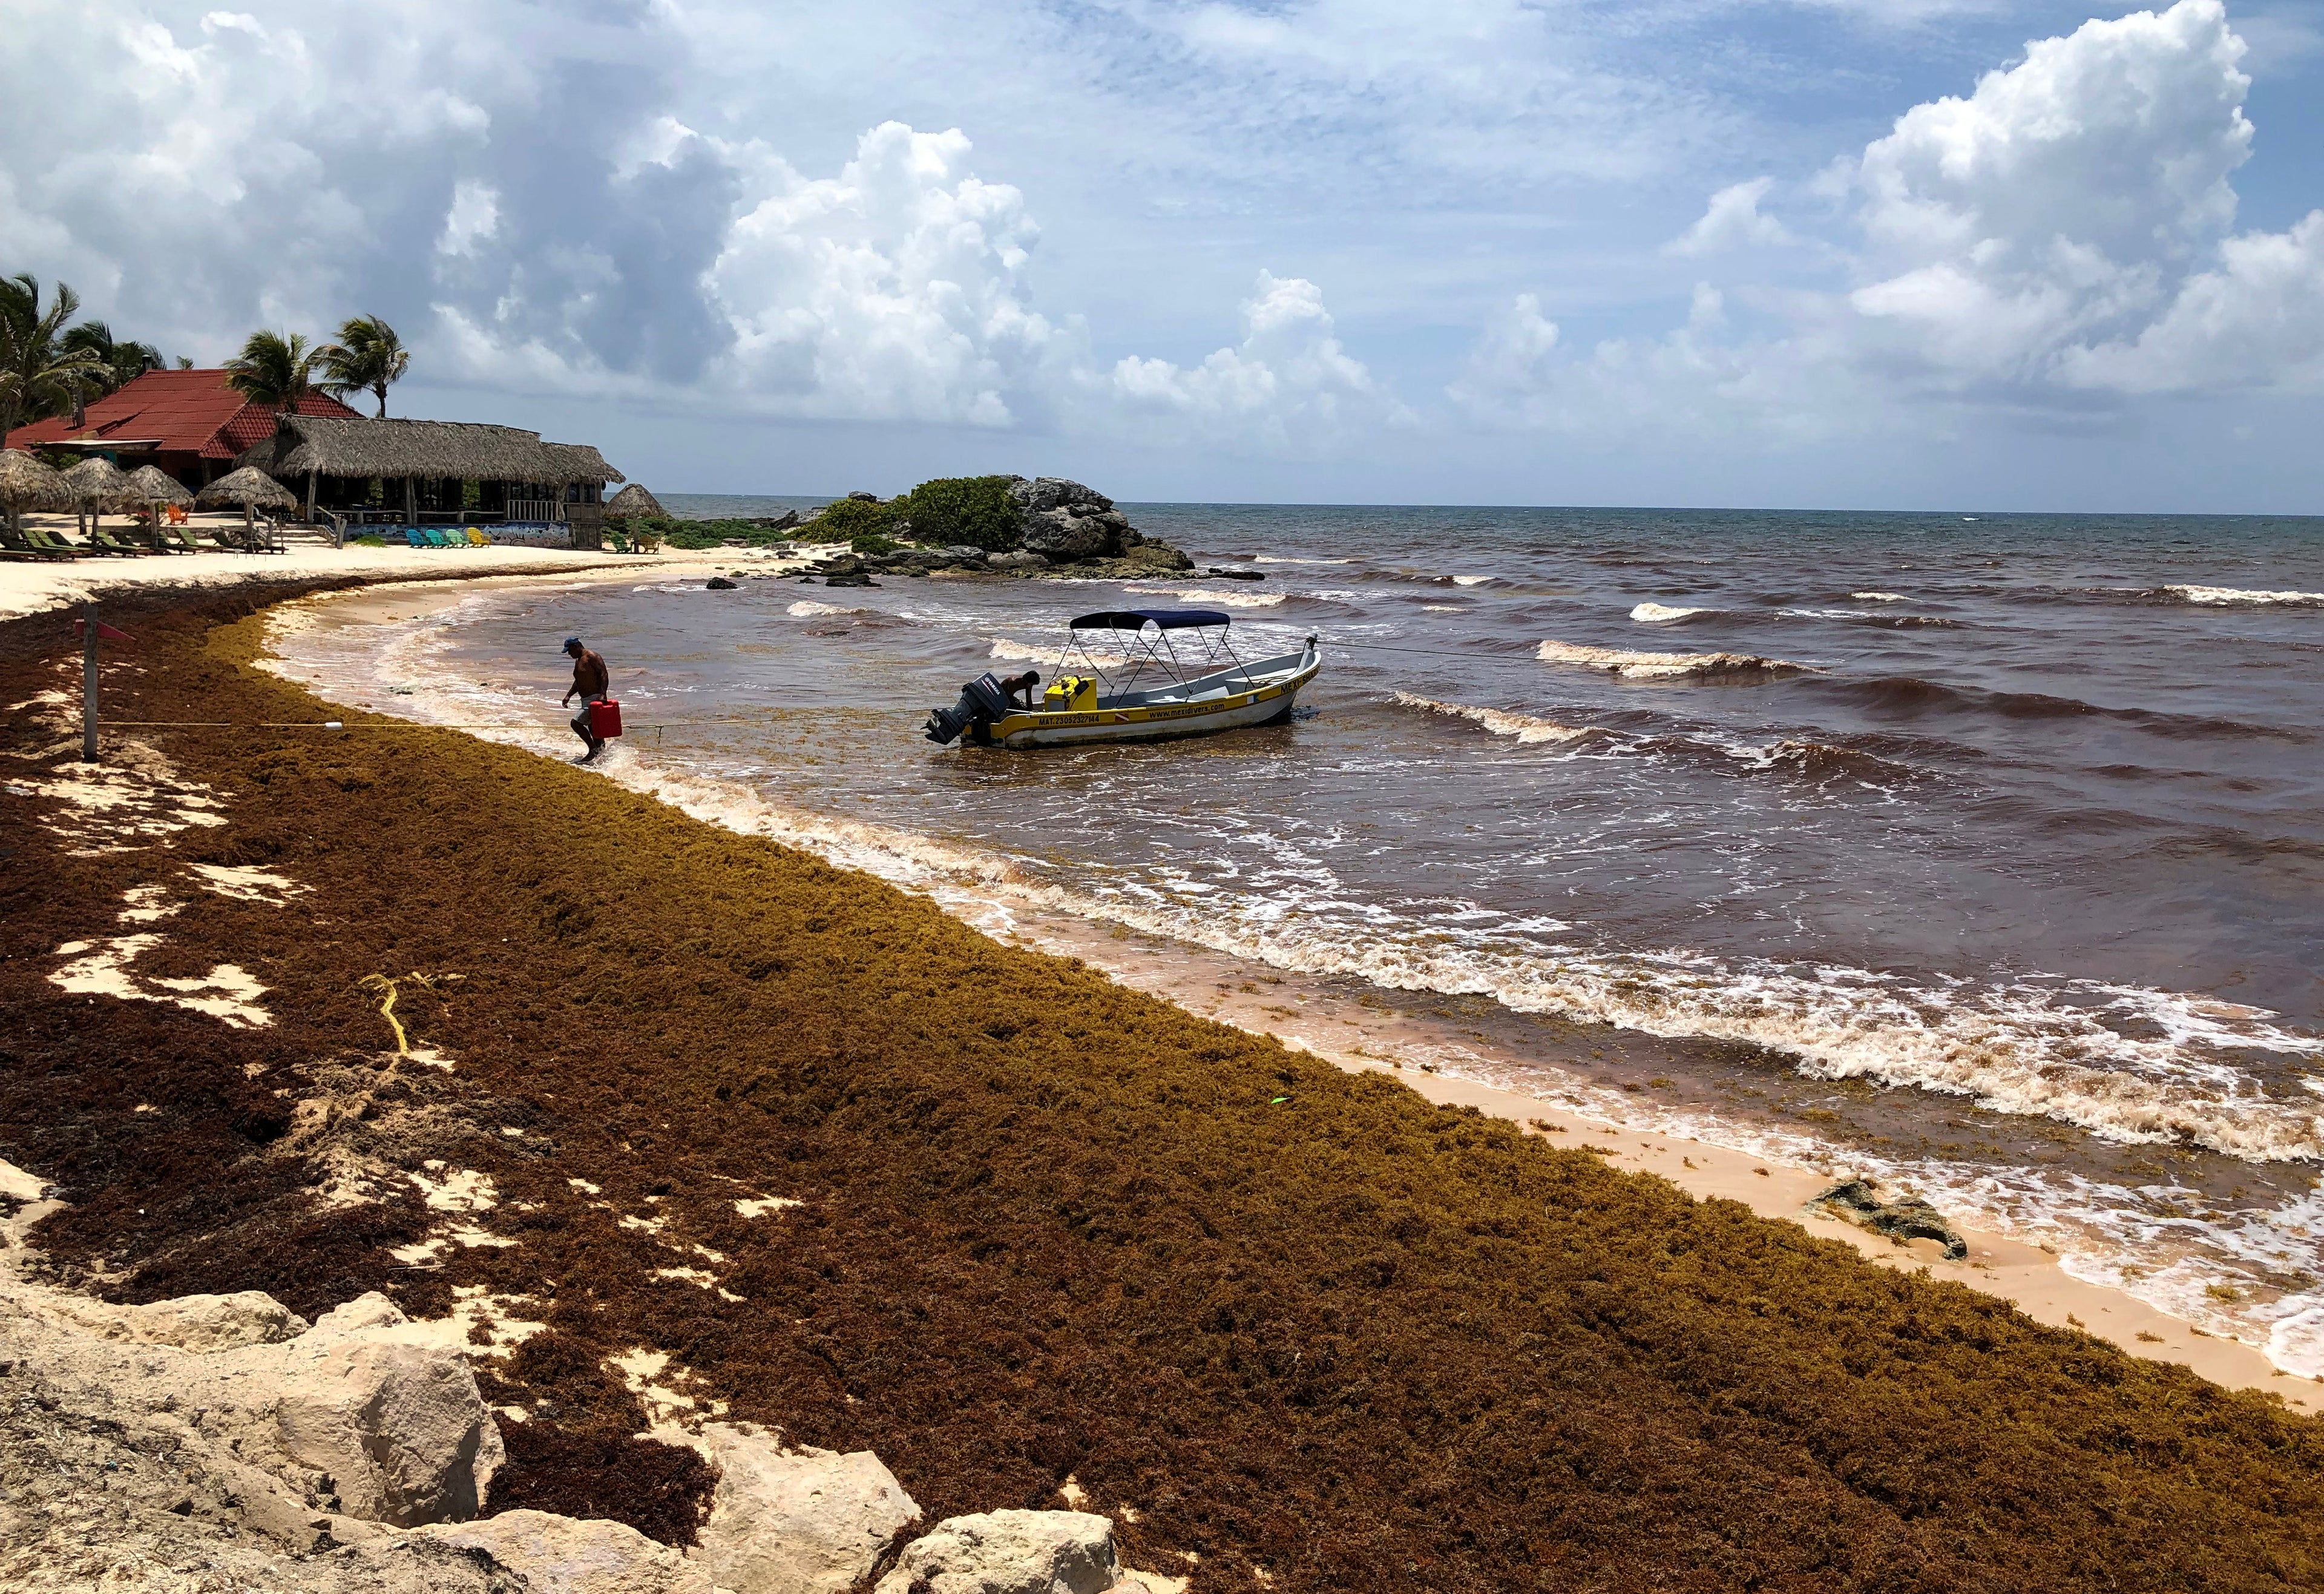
<point>368,358</point>
<point>974,511</point>
<point>369,540</point>
<point>275,368</point>
<point>871,544</point>
<point>848,519</point>
<point>42,371</point>
<point>694,535</point>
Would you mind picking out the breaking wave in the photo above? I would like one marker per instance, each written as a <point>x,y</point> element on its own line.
<point>1632,666</point>
<point>1524,728</point>
<point>808,609</point>
<point>1662,613</point>
<point>2235,594</point>
<point>1204,595</point>
<point>1878,597</point>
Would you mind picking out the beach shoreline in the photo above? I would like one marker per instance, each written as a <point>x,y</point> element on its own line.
<point>1357,1037</point>
<point>690,1126</point>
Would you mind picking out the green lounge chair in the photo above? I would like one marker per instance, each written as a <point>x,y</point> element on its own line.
<point>176,538</point>
<point>17,545</point>
<point>436,538</point>
<point>100,537</point>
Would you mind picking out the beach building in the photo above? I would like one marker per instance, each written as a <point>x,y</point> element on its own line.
<point>188,424</point>
<point>418,472</point>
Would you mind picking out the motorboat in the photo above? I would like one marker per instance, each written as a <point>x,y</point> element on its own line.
<point>1168,673</point>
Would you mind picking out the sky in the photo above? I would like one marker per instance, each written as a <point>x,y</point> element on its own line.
<point>1781,253</point>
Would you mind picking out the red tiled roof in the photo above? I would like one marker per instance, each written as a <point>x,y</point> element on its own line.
<point>174,412</point>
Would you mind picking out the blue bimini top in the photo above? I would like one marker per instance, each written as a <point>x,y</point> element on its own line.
<point>1140,619</point>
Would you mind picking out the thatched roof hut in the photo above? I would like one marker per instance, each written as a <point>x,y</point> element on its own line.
<point>634,500</point>
<point>150,483</point>
<point>250,488</point>
<point>26,483</point>
<point>458,450</point>
<point>96,480</point>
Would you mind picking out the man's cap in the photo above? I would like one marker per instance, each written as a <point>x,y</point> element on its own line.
<point>573,641</point>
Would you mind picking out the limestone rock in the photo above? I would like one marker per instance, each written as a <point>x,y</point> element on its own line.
<point>1019,560</point>
<point>193,1322</point>
<point>964,554</point>
<point>797,1523</point>
<point>561,1555</point>
<point>1045,493</point>
<point>1010,1553</point>
<point>398,1426</point>
<point>1067,521</point>
<point>1911,1218</point>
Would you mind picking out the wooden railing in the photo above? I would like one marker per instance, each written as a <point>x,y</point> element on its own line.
<point>536,509</point>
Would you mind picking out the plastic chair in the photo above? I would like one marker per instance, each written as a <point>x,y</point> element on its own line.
<point>477,538</point>
<point>413,535</point>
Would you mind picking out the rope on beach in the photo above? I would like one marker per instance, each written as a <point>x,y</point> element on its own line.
<point>387,1010</point>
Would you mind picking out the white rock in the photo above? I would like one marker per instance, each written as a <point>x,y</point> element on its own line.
<point>563,1555</point>
<point>1010,1553</point>
<point>811,1523</point>
<point>400,1427</point>
<point>198,1323</point>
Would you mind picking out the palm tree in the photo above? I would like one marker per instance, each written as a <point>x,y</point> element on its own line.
<point>274,368</point>
<point>38,374</point>
<point>367,357</point>
<point>123,362</point>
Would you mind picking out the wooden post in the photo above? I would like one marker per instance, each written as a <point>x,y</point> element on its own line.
<point>411,501</point>
<point>310,498</point>
<point>88,682</point>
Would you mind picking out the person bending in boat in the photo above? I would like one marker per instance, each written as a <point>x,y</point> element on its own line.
<point>592,682</point>
<point>1028,686</point>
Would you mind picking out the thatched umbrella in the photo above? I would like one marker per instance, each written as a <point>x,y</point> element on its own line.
<point>150,484</point>
<point>95,482</point>
<point>250,487</point>
<point>634,500</point>
<point>26,483</point>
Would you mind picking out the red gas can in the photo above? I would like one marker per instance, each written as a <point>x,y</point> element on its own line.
<point>606,718</point>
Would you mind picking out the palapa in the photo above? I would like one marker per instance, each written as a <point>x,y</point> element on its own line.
<point>441,450</point>
<point>94,482</point>
<point>250,487</point>
<point>150,483</point>
<point>634,500</point>
<point>26,483</point>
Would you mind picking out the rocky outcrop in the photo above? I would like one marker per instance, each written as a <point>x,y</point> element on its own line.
<point>803,1522</point>
<point>568,1556</point>
<point>1009,1552</point>
<point>1066,523</point>
<point>192,1322</point>
<point>1858,1202</point>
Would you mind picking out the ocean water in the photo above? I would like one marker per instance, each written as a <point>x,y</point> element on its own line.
<point>1983,855</point>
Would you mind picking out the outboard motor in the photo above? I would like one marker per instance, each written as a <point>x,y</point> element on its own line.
<point>981,702</point>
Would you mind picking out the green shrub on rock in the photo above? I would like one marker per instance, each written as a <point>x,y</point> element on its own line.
<point>972,511</point>
<point>851,518</point>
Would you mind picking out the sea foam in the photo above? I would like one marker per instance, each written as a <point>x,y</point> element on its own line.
<point>1523,727</point>
<point>1632,666</point>
<point>1661,613</point>
<point>2235,594</point>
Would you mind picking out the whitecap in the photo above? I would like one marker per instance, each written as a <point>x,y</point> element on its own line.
<point>808,609</point>
<point>1203,594</point>
<point>1632,666</point>
<point>1275,559</point>
<point>1473,580</point>
<point>2235,594</point>
<point>1661,613</point>
<point>1524,727</point>
<point>1877,597</point>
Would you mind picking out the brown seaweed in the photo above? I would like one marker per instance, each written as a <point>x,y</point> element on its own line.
<point>1050,1227</point>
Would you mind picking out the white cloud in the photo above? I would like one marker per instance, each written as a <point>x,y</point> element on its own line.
<point>1733,220</point>
<point>2056,237</point>
<point>1289,386</point>
<point>474,216</point>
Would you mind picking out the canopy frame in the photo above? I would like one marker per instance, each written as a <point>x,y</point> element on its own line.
<point>1129,629</point>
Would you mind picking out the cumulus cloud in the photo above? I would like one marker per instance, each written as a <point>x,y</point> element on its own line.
<point>1733,220</point>
<point>1288,385</point>
<point>2057,236</point>
<point>543,221</point>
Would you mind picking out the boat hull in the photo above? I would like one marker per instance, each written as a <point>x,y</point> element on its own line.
<point>1269,699</point>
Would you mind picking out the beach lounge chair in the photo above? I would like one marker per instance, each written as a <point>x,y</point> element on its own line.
<point>176,515</point>
<point>477,538</point>
<point>411,535</point>
<point>174,535</point>
<point>438,538</point>
<point>17,545</point>
<point>100,537</point>
<point>59,540</point>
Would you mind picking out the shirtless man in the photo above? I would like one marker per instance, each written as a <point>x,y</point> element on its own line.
<point>591,681</point>
<point>1023,690</point>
